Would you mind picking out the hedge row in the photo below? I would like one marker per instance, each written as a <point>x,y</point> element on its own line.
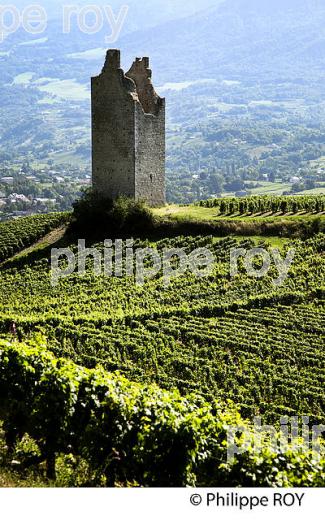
<point>132,433</point>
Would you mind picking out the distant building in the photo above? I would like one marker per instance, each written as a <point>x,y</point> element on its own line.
<point>18,197</point>
<point>41,200</point>
<point>7,180</point>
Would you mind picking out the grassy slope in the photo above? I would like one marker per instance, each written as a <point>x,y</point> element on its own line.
<point>192,213</point>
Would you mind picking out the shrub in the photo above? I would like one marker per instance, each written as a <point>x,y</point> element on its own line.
<point>95,215</point>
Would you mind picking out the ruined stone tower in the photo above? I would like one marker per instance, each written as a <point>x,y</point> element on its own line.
<point>128,132</point>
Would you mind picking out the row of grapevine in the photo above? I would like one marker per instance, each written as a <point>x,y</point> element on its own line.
<point>267,204</point>
<point>18,234</point>
<point>130,433</point>
<point>235,351</point>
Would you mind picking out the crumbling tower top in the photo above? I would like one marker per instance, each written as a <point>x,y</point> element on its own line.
<point>141,74</point>
<point>113,59</point>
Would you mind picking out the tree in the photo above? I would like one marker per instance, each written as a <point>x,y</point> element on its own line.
<point>216,183</point>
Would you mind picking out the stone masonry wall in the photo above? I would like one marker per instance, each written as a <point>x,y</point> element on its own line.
<point>113,139</point>
<point>149,136</point>
<point>150,157</point>
<point>128,132</point>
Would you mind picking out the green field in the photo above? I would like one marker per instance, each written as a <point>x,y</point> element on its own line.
<point>221,337</point>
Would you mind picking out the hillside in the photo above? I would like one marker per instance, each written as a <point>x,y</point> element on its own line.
<point>244,90</point>
<point>240,39</point>
<point>218,338</point>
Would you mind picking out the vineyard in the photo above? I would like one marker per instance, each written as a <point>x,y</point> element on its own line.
<point>143,435</point>
<point>267,204</point>
<point>219,338</point>
<point>18,234</point>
